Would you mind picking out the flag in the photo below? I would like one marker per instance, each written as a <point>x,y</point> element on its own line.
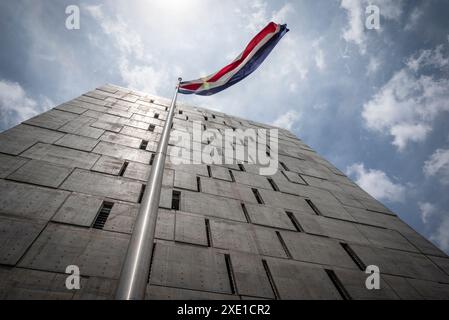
<point>245,64</point>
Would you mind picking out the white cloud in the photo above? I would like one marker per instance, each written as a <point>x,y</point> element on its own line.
<point>438,164</point>
<point>16,106</point>
<point>373,66</point>
<point>426,211</point>
<point>407,104</point>
<point>319,55</point>
<point>441,235</point>
<point>287,120</point>
<point>376,183</point>
<point>414,18</point>
<point>355,31</point>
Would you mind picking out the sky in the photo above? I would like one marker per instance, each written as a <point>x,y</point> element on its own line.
<point>374,102</point>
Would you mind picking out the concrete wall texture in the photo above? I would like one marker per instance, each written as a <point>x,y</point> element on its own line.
<point>70,183</point>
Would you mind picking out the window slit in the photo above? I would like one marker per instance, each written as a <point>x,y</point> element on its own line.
<point>176,199</point>
<point>258,196</point>
<point>103,215</point>
<point>294,221</point>
<point>314,208</point>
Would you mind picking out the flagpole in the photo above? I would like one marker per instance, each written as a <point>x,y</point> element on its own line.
<point>136,266</point>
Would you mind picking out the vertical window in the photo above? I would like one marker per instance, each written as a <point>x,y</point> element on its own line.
<point>142,191</point>
<point>232,176</point>
<point>258,196</point>
<point>313,206</point>
<point>283,166</point>
<point>245,212</point>
<point>151,128</point>
<point>123,168</point>
<point>209,171</point>
<point>103,215</point>
<point>176,199</point>
<point>206,118</point>
<point>143,145</point>
<point>273,184</point>
<point>294,221</point>
<point>338,285</point>
<point>152,159</point>
<point>353,256</point>
<point>156,116</point>
<point>241,167</point>
<point>180,111</point>
<point>198,184</point>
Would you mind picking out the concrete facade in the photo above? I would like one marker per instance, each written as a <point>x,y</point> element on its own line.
<point>70,186</point>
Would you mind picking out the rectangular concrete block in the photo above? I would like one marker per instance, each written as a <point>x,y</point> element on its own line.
<point>16,235</point>
<point>96,252</point>
<point>250,276</point>
<point>227,189</point>
<point>272,217</point>
<point>102,185</point>
<point>61,156</point>
<point>252,180</point>
<point>41,173</point>
<point>188,267</point>
<point>71,108</point>
<point>108,165</point>
<point>52,119</point>
<point>220,173</point>
<point>122,152</point>
<point>210,205</point>
<point>9,164</point>
<point>81,126</point>
<point>77,142</point>
<point>184,180</point>
<point>308,248</point>
<point>190,229</point>
<point>121,139</point>
<point>165,227</point>
<point>268,243</point>
<point>79,209</point>
<point>233,236</point>
<point>298,281</point>
<point>167,293</point>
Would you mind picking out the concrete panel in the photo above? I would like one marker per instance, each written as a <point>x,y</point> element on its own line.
<point>165,227</point>
<point>227,189</point>
<point>121,139</point>
<point>166,293</point>
<point>250,276</point>
<point>220,173</point>
<point>121,218</point>
<point>108,165</point>
<point>52,119</point>
<point>233,236</point>
<point>16,235</point>
<point>190,229</point>
<point>315,249</point>
<point>81,126</point>
<point>195,169</point>
<point>24,284</point>
<point>122,152</point>
<point>77,142</point>
<point>401,263</point>
<point>96,252</point>
<point>268,243</point>
<point>252,180</point>
<point>354,283</point>
<point>184,180</point>
<point>78,209</point>
<point>297,281</point>
<point>267,216</point>
<point>102,185</point>
<point>143,134</point>
<point>293,177</point>
<point>9,164</point>
<point>29,201</point>
<point>210,205</point>
<point>33,133</point>
<point>342,230</point>
<point>14,145</point>
<point>431,290</point>
<point>333,210</point>
<point>61,156</point>
<point>71,108</point>
<point>189,267</point>
<point>402,287</point>
<point>443,263</point>
<point>386,238</point>
<point>41,173</point>
<point>94,288</point>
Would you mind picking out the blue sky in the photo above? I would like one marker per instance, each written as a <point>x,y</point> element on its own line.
<point>373,102</point>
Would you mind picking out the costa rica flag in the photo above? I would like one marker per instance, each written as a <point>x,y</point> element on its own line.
<point>246,63</point>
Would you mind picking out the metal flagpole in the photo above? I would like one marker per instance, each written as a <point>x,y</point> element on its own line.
<point>136,266</point>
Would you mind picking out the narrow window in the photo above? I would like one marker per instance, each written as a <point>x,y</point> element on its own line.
<point>198,184</point>
<point>176,199</point>
<point>338,285</point>
<point>283,166</point>
<point>123,169</point>
<point>208,233</point>
<point>213,116</point>
<point>180,111</point>
<point>209,171</point>
<point>294,221</point>
<point>241,167</point>
<point>353,256</point>
<point>103,215</point>
<point>206,118</point>
<point>142,191</point>
<point>156,116</point>
<point>284,246</point>
<point>257,195</point>
<point>245,212</point>
<point>143,145</point>
<point>230,273</point>
<point>270,279</point>
<point>204,127</point>
<point>273,184</point>
<point>233,129</point>
<point>313,206</point>
<point>151,128</point>
<point>268,153</point>
<point>232,176</point>
<point>187,118</point>
<point>151,101</point>
<point>152,159</point>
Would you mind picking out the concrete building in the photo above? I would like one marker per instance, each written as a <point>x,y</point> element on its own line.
<point>70,186</point>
